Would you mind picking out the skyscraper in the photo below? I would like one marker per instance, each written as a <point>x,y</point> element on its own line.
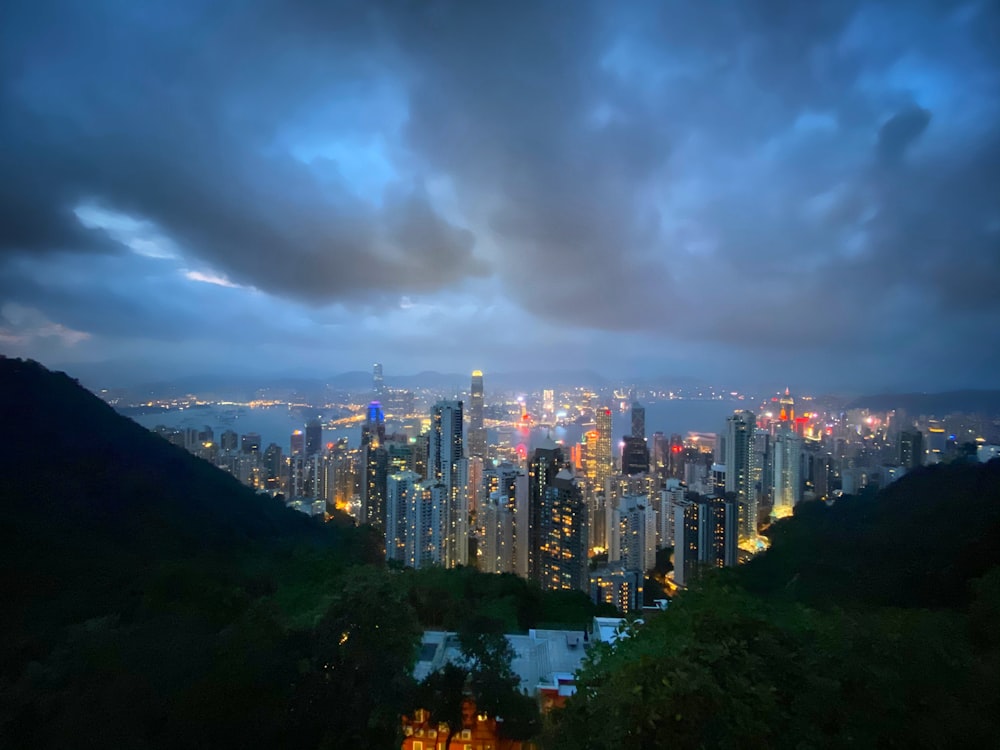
<point>375,463</point>
<point>635,455</point>
<point>446,451</point>
<point>633,542</point>
<point>399,496</point>
<point>562,554</point>
<point>787,471</point>
<point>378,384</point>
<point>638,420</point>
<point>911,448</point>
<point>314,437</point>
<point>740,470</point>
<point>604,456</point>
<point>545,464</point>
<point>477,432</point>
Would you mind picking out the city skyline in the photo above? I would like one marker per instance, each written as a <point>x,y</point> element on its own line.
<point>730,194</point>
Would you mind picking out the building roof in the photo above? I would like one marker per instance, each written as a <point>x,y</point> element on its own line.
<point>543,659</point>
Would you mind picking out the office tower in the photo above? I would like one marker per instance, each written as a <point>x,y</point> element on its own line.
<point>634,540</point>
<point>399,495</point>
<point>378,383</point>
<point>638,420</point>
<point>314,437</point>
<point>635,455</point>
<point>562,556</point>
<point>477,432</point>
<point>545,464</point>
<point>298,443</point>
<point>787,471</point>
<point>911,448</point>
<point>446,450</point>
<point>717,481</point>
<point>605,458</point>
<point>375,463</point>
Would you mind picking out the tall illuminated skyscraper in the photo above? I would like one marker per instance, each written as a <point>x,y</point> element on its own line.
<point>477,432</point>
<point>562,555</point>
<point>740,470</point>
<point>787,471</point>
<point>545,464</point>
<point>604,456</point>
<point>375,462</point>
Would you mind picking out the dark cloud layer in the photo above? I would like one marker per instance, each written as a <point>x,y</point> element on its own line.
<point>782,179</point>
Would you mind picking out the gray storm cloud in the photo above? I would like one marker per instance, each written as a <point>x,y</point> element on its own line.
<point>807,170</point>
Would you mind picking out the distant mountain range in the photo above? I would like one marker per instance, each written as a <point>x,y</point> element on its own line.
<point>939,404</point>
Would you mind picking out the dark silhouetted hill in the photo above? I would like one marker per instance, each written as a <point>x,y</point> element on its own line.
<point>917,543</point>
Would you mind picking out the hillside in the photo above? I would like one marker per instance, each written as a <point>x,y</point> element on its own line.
<point>868,624</point>
<point>150,600</point>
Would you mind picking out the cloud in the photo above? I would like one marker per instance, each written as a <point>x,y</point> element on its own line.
<point>899,132</point>
<point>762,176</point>
<point>21,326</point>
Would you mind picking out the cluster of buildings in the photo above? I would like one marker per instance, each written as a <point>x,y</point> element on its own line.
<point>592,515</point>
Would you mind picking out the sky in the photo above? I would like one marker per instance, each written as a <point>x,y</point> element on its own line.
<point>803,193</point>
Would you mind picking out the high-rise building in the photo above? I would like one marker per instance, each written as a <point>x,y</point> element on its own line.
<point>497,520</point>
<point>477,431</point>
<point>638,420</point>
<point>298,442</point>
<point>605,458</point>
<point>314,437</point>
<point>399,496</point>
<point>548,401</point>
<point>545,464</point>
<point>660,453</point>
<point>740,468</point>
<point>671,495</point>
<point>274,462</point>
<point>787,471</point>
<point>634,540</point>
<point>446,451</point>
<point>635,455</point>
<point>228,440</point>
<point>425,524</point>
<point>250,443</point>
<point>562,554</point>
<point>375,467</point>
<point>378,382</point>
<point>911,448</point>
<point>614,584</point>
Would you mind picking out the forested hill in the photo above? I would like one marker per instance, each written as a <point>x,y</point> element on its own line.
<point>917,543</point>
<point>150,600</point>
<point>69,462</point>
